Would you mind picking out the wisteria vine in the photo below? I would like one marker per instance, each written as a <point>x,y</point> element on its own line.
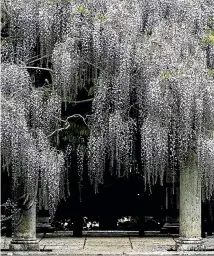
<point>152,65</point>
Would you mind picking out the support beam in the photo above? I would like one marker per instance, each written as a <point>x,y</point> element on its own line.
<point>190,207</point>
<point>24,237</point>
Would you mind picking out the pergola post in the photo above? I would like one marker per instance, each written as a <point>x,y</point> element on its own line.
<point>190,207</point>
<point>24,237</point>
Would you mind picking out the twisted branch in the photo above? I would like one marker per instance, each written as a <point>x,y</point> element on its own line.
<point>67,123</point>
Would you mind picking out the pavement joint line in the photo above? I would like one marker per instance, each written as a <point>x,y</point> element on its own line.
<point>131,243</point>
<point>4,241</point>
<point>42,238</point>
<point>84,242</point>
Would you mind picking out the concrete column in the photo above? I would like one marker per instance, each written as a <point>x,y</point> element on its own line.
<point>190,207</point>
<point>24,237</point>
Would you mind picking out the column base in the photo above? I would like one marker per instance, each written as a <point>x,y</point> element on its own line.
<point>24,245</point>
<point>189,244</point>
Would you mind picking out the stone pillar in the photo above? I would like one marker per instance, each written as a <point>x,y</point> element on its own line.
<point>43,217</point>
<point>190,208</point>
<point>24,237</point>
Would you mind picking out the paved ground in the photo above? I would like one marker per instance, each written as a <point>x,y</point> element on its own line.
<point>106,245</point>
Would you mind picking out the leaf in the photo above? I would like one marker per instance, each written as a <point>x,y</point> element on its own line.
<point>101,18</point>
<point>166,76</point>
<point>82,10</point>
<point>208,40</point>
<point>210,72</point>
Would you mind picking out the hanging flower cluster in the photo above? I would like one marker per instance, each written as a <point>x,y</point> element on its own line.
<point>158,60</point>
<point>27,120</point>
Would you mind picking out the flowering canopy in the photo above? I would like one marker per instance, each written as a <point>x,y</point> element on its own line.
<point>152,64</point>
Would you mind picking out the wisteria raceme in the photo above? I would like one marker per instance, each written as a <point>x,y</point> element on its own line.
<point>154,151</point>
<point>45,113</point>
<point>54,21</point>
<point>15,81</point>
<point>81,151</point>
<point>97,153</point>
<point>206,164</point>
<point>66,62</point>
<point>14,143</point>
<point>120,136</point>
<point>23,29</point>
<point>101,104</point>
<point>51,171</point>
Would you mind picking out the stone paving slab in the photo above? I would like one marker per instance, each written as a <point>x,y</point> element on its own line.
<point>156,253</point>
<point>209,242</point>
<point>67,241</point>
<point>107,248</point>
<point>5,242</point>
<point>152,243</point>
<point>152,240</point>
<point>106,245</point>
<point>70,246</point>
<point>60,248</point>
<point>93,241</point>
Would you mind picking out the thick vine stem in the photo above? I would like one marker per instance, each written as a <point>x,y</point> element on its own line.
<point>67,124</point>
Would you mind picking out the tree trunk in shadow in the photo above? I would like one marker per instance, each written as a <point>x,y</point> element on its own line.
<point>78,226</point>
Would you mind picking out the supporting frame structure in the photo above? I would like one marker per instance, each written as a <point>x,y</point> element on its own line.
<point>190,207</point>
<point>24,237</point>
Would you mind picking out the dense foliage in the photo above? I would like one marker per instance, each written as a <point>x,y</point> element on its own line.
<point>151,64</point>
